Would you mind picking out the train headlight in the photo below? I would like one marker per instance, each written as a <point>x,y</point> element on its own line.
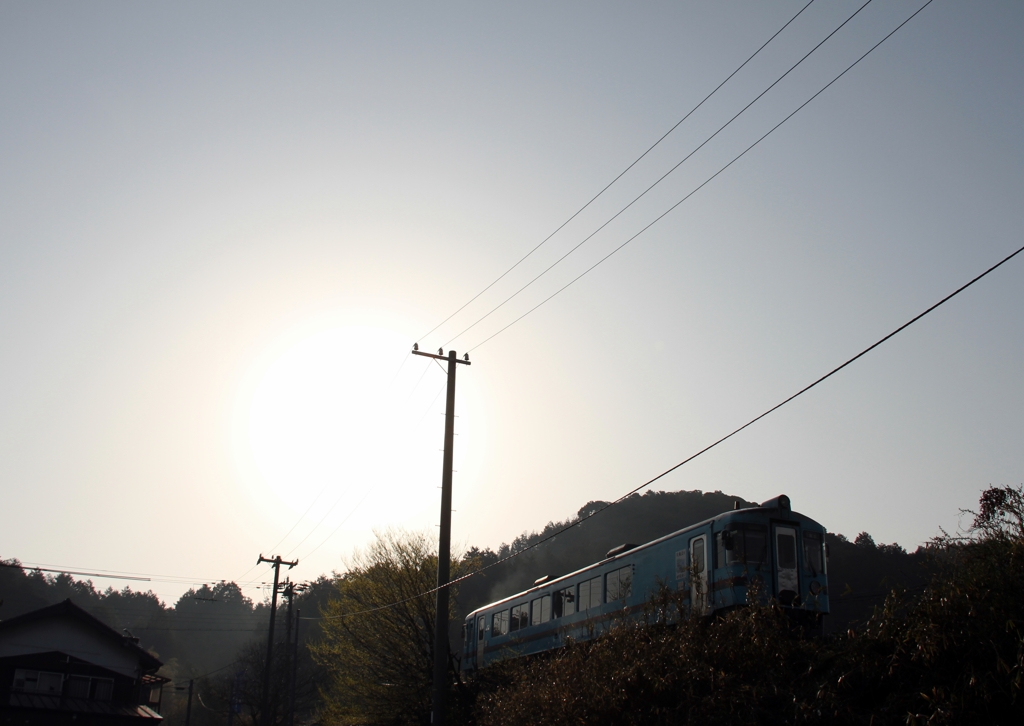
<point>815,587</point>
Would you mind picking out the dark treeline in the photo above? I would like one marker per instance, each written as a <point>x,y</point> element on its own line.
<point>212,628</point>
<point>861,573</point>
<point>202,631</point>
<point>374,668</point>
<point>950,653</point>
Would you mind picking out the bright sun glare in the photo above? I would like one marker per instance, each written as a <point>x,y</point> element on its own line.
<point>331,425</point>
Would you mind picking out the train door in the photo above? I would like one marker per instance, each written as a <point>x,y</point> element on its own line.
<point>786,576</point>
<point>699,574</point>
<point>480,642</point>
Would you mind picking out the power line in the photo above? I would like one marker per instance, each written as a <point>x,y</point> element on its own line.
<point>690,458</point>
<point>100,572</point>
<point>348,516</point>
<point>199,630</point>
<point>297,523</point>
<point>315,527</point>
<point>705,182</point>
<point>659,180</point>
<point>210,673</point>
<point>71,572</point>
<point>749,423</point>
<point>622,173</point>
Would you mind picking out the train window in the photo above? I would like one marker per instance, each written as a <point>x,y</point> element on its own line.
<point>749,545</point>
<point>698,555</point>
<point>520,617</point>
<point>813,552</point>
<point>480,628</point>
<point>787,551</point>
<point>564,602</point>
<point>540,610</point>
<point>755,544</point>
<point>590,594</point>
<point>499,623</point>
<point>618,584</point>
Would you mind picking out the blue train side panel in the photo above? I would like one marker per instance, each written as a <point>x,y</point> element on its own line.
<point>712,563</point>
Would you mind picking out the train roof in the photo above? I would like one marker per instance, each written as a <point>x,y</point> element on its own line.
<point>780,503</point>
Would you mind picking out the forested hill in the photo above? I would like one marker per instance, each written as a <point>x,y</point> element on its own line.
<point>860,572</point>
<point>208,626</point>
<point>637,519</point>
<point>201,632</point>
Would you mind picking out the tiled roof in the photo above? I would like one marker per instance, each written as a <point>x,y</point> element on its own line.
<point>67,608</point>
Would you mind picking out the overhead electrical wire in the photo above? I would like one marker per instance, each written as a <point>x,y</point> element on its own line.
<point>622,173</point>
<point>690,458</point>
<point>661,178</point>
<point>676,125</point>
<point>685,461</point>
<point>705,449</point>
<point>107,574</point>
<point>704,183</point>
<point>334,531</point>
<point>288,534</point>
<point>366,491</point>
<point>338,500</point>
<point>72,572</point>
<point>208,673</point>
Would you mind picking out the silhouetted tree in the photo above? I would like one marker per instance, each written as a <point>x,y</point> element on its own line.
<point>380,657</point>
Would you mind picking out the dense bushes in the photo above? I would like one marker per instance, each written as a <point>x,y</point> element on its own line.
<point>953,653</point>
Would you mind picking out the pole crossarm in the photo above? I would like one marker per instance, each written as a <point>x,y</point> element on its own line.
<point>449,358</point>
<point>276,561</point>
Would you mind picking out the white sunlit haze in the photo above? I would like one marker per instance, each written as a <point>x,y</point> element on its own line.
<point>224,226</point>
<point>344,428</point>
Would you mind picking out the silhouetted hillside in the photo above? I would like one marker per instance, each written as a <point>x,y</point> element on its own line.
<point>209,626</point>
<point>860,573</point>
<point>204,630</point>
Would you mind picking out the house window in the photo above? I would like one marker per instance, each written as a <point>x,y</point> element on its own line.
<point>78,687</point>
<point>102,688</point>
<point>42,682</point>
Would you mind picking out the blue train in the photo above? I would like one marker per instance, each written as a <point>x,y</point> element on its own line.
<point>711,563</point>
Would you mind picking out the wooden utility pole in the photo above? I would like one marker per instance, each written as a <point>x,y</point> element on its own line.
<point>188,708</point>
<point>440,691</point>
<point>292,648</point>
<point>295,669</point>
<point>265,700</point>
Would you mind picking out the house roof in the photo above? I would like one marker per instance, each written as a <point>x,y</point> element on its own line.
<point>67,609</point>
<point>82,705</point>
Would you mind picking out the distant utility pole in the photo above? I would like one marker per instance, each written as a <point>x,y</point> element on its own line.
<point>295,669</point>
<point>440,693</point>
<point>265,701</point>
<point>292,647</point>
<point>188,708</point>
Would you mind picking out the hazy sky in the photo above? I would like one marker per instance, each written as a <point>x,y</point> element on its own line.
<point>222,227</point>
